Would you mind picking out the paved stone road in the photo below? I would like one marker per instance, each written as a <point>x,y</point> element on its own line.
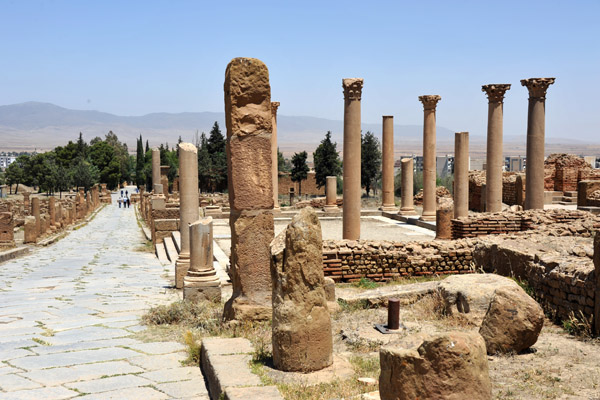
<point>68,311</point>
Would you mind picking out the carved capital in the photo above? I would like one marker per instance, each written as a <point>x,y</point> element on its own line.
<point>430,101</point>
<point>274,107</point>
<point>495,91</point>
<point>537,87</point>
<point>352,88</point>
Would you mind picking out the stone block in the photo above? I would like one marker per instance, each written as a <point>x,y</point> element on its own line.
<point>253,392</point>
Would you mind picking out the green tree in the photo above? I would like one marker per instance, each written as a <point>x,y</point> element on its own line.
<point>283,164</point>
<point>204,165</point>
<point>218,168</point>
<point>147,146</point>
<point>66,155</point>
<point>15,172</point>
<point>299,169</point>
<point>84,174</point>
<point>370,161</point>
<point>327,161</point>
<point>63,179</point>
<point>140,159</point>
<point>81,146</point>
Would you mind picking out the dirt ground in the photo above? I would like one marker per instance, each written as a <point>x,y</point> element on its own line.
<point>558,366</point>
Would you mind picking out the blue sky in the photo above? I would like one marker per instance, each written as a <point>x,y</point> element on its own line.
<point>137,57</point>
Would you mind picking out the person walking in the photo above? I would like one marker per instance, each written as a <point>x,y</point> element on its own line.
<point>128,202</point>
<point>119,201</point>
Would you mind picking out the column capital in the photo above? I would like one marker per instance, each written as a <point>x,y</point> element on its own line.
<point>495,91</point>
<point>274,107</point>
<point>537,87</point>
<point>430,101</point>
<point>352,88</point>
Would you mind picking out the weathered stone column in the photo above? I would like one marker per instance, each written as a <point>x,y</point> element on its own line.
<point>274,156</point>
<point>30,229</point>
<point>164,179</point>
<point>301,322</point>
<point>201,281</point>
<point>536,131</point>
<point>155,168</point>
<point>429,157</point>
<point>461,174</point>
<point>331,194</point>
<point>387,163</point>
<point>249,127</point>
<point>352,147</point>
<point>597,283</point>
<point>52,212</point>
<point>407,205</point>
<point>494,159</point>
<point>26,201</point>
<point>35,211</point>
<point>188,206</point>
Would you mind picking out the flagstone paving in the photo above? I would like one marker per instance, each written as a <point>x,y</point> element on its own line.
<point>69,313</point>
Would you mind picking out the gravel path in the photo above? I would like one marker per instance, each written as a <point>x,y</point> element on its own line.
<point>68,313</point>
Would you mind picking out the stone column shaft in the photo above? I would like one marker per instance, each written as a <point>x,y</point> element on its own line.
<point>155,168</point>
<point>352,148</point>
<point>35,210</point>
<point>494,159</point>
<point>536,131</point>
<point>429,157</point>
<point>407,206</point>
<point>331,194</point>
<point>201,280</point>
<point>274,155</point>
<point>188,205</point>
<point>387,162</point>
<point>461,174</point>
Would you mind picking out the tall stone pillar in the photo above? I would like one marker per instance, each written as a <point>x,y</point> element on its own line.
<point>201,281</point>
<point>536,131</point>
<point>249,127</point>
<point>155,168</point>
<point>461,174</point>
<point>387,163</point>
<point>429,157</point>
<point>352,147</point>
<point>26,202</point>
<point>188,206</point>
<point>494,158</point>
<point>274,156</point>
<point>164,179</point>
<point>407,205</point>
<point>35,210</point>
<point>331,194</point>
<point>52,212</point>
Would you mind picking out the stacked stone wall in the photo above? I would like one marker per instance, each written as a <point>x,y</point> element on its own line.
<point>351,260</point>
<point>309,185</point>
<point>562,281</point>
<point>510,222</point>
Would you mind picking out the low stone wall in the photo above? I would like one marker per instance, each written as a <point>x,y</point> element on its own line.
<point>351,260</point>
<point>476,184</point>
<point>507,222</point>
<point>584,189</point>
<point>559,270</point>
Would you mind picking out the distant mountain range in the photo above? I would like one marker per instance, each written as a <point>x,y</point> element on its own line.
<point>42,126</point>
<point>45,125</point>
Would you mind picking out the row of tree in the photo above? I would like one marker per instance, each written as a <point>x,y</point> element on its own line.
<point>327,162</point>
<point>77,164</point>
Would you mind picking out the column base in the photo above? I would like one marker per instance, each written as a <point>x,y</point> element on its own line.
<point>201,285</point>
<point>240,308</point>
<point>331,208</point>
<point>389,208</point>
<point>408,211</point>
<point>428,217</point>
<point>181,269</point>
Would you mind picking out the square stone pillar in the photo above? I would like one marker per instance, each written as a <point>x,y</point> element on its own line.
<point>249,162</point>
<point>164,179</point>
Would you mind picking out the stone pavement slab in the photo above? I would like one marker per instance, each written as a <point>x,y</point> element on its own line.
<point>69,313</point>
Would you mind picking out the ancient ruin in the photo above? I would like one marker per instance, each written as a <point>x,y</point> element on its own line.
<point>201,281</point>
<point>388,203</point>
<point>429,156</point>
<point>248,117</point>
<point>352,148</point>
<point>301,321</point>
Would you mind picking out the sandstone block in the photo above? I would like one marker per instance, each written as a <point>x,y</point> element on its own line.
<point>31,231</point>
<point>301,322</point>
<point>251,186</point>
<point>471,294</point>
<point>512,323</point>
<point>250,262</point>
<point>448,366</point>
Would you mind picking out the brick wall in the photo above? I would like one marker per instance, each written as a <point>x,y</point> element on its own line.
<point>350,260</point>
<point>309,185</point>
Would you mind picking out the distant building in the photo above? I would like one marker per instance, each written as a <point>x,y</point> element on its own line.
<point>444,164</point>
<point>514,164</point>
<point>6,160</point>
